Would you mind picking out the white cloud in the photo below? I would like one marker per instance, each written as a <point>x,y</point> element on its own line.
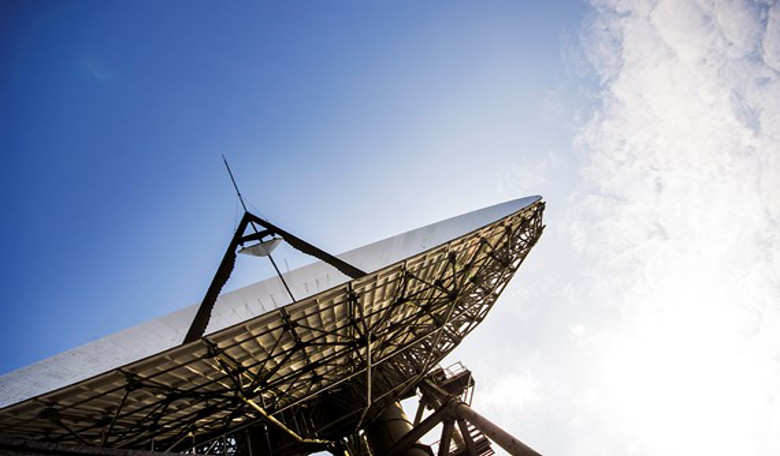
<point>679,217</point>
<point>502,395</point>
<point>527,178</point>
<point>647,319</point>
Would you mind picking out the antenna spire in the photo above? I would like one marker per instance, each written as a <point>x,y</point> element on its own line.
<point>254,228</point>
<point>235,186</point>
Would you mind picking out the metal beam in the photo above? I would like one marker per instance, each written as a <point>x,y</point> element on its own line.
<point>202,317</point>
<point>309,249</point>
<point>504,439</point>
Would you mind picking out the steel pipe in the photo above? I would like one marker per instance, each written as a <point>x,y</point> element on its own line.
<point>505,440</point>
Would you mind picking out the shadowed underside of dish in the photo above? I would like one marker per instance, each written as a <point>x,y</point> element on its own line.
<point>323,366</point>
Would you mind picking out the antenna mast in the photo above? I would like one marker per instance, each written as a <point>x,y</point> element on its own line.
<point>235,186</point>
<point>254,228</point>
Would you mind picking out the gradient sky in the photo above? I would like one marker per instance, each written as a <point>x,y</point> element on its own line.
<point>646,321</point>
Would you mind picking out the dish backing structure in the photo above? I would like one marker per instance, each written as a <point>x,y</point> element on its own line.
<point>261,373</point>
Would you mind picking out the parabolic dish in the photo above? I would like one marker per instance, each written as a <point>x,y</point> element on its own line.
<point>322,365</point>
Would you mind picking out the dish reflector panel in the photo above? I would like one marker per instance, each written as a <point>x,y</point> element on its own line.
<point>323,365</point>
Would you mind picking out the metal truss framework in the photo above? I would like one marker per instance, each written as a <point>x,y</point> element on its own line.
<point>313,372</point>
<point>464,432</point>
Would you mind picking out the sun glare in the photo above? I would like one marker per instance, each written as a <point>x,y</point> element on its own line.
<point>680,376</point>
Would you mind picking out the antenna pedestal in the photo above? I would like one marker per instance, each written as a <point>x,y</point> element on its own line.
<point>388,429</point>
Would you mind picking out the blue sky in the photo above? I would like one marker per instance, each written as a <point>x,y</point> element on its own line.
<point>335,116</point>
<point>645,322</point>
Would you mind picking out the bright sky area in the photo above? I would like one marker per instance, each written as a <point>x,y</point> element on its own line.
<point>647,319</point>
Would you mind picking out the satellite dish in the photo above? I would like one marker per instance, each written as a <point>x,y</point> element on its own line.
<point>325,372</point>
